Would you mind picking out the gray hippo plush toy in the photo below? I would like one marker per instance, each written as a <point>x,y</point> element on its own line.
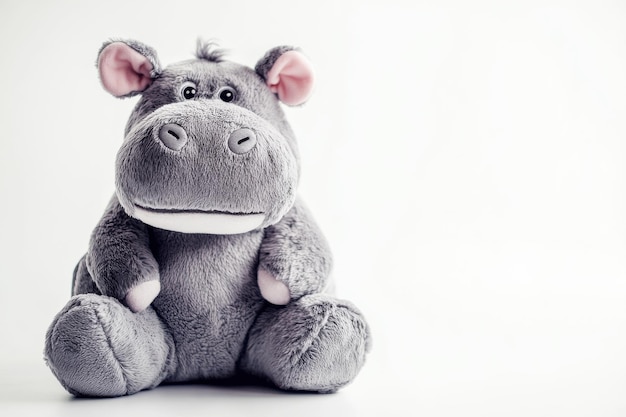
<point>205,265</point>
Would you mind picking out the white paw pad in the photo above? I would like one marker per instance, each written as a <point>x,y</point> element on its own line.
<point>272,289</point>
<point>142,295</point>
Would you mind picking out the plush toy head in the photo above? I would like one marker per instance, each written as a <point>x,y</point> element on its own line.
<point>207,148</point>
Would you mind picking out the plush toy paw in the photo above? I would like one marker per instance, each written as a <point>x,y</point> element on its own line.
<point>141,296</point>
<point>272,289</point>
<point>97,347</point>
<point>317,343</point>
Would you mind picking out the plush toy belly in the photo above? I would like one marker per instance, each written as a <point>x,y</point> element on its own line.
<point>208,300</point>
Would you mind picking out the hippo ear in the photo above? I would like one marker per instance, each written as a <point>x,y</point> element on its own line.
<point>127,67</point>
<point>288,73</point>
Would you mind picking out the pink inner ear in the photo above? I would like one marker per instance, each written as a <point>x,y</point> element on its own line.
<point>291,78</point>
<point>123,70</point>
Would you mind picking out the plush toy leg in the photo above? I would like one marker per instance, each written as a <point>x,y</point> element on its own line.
<point>98,347</point>
<point>317,343</point>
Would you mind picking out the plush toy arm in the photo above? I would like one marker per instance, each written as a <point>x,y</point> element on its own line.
<point>294,259</point>
<point>120,260</point>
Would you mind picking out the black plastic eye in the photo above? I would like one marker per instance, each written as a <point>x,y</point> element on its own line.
<point>227,94</point>
<point>188,90</point>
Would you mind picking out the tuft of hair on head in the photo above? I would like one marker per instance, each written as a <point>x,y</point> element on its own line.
<point>209,50</point>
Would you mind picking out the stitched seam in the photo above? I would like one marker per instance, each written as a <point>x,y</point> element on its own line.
<point>314,335</point>
<point>331,386</point>
<point>108,339</point>
<point>53,339</point>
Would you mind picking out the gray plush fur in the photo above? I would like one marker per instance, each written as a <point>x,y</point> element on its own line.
<point>98,347</point>
<point>314,342</point>
<point>267,61</point>
<point>209,51</point>
<point>209,320</point>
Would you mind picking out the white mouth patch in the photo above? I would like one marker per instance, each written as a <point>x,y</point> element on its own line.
<point>196,221</point>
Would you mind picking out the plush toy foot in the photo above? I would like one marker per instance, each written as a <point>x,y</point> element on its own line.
<point>98,347</point>
<point>317,343</point>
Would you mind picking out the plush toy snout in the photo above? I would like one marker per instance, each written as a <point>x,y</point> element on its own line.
<point>174,137</point>
<point>241,141</point>
<point>204,166</point>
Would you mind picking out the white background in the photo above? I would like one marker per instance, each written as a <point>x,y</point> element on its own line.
<point>465,159</point>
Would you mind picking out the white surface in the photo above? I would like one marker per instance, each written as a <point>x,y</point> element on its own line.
<point>466,160</point>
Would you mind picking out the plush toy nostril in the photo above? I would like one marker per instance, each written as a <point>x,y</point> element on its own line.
<point>242,141</point>
<point>173,136</point>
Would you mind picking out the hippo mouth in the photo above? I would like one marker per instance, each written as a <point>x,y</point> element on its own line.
<point>199,221</point>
